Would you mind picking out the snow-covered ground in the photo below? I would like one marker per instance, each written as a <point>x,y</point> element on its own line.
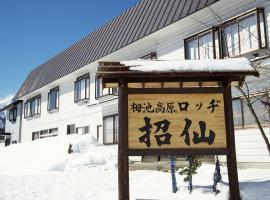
<point>42,169</point>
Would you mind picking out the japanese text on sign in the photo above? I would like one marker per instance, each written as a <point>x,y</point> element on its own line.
<point>176,121</point>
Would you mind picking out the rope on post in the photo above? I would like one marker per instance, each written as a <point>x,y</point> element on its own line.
<point>217,176</point>
<point>174,184</point>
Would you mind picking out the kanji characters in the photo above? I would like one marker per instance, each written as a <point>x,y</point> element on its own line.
<point>160,108</point>
<point>165,137</point>
<point>161,139</point>
<point>147,129</point>
<point>197,138</point>
<point>170,108</point>
<point>136,107</point>
<point>185,131</point>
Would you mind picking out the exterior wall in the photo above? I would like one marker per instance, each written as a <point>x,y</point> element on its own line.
<point>168,43</point>
<point>14,127</point>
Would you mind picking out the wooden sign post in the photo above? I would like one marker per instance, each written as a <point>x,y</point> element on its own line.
<point>174,120</point>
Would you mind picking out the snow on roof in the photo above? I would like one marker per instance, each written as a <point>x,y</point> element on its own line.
<point>211,65</point>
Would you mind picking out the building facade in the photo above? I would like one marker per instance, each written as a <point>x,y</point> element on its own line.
<point>63,96</point>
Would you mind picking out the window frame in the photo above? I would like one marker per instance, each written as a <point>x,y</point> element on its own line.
<point>84,77</point>
<point>30,102</point>
<point>149,56</point>
<point>69,128</point>
<point>115,141</point>
<point>110,90</point>
<point>220,29</point>
<point>238,18</point>
<point>14,114</point>
<point>98,133</point>
<point>197,35</point>
<point>56,89</point>
<point>243,121</point>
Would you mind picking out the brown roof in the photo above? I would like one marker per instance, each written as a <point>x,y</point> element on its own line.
<point>142,19</point>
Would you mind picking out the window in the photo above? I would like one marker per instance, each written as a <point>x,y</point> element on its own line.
<point>241,34</point>
<point>99,131</point>
<point>12,115</point>
<point>53,99</point>
<point>203,45</point>
<point>70,129</point>
<point>82,130</point>
<point>53,132</point>
<point>150,56</point>
<point>242,116</point>
<point>82,88</point>
<point>35,135</point>
<point>110,130</point>
<point>100,91</point>
<point>45,133</point>
<point>32,106</point>
<point>237,112</point>
<point>244,34</point>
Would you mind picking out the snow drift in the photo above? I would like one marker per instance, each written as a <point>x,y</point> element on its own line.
<point>51,154</point>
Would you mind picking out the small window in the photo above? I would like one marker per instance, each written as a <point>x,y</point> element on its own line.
<point>260,110</point>
<point>53,99</point>
<point>85,129</point>
<point>48,133</point>
<point>82,130</point>
<point>110,130</point>
<point>32,106</point>
<point>35,135</point>
<point>12,115</point>
<point>82,88</point>
<point>53,132</point>
<point>100,91</point>
<point>150,56</point>
<point>70,129</point>
<point>237,112</point>
<point>99,131</point>
<point>242,116</point>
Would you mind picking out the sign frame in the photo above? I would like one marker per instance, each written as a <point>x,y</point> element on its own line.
<point>177,151</point>
<point>124,151</point>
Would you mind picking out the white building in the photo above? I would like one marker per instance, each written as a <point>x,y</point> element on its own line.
<point>62,95</point>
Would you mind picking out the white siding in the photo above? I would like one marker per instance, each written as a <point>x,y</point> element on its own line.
<point>13,127</point>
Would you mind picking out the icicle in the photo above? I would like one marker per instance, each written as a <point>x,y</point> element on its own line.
<point>217,176</point>
<point>189,174</point>
<point>174,184</point>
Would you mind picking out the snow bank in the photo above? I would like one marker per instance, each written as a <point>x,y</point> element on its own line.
<point>46,171</point>
<point>51,154</point>
<point>211,65</point>
<point>87,152</point>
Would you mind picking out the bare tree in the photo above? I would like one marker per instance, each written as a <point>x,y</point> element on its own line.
<point>244,88</point>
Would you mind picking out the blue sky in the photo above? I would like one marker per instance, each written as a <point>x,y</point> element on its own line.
<point>32,31</point>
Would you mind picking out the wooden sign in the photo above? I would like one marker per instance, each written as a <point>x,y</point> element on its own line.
<point>172,121</point>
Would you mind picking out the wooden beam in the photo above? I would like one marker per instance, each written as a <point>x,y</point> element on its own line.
<point>231,156</point>
<point>151,152</point>
<point>123,168</point>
